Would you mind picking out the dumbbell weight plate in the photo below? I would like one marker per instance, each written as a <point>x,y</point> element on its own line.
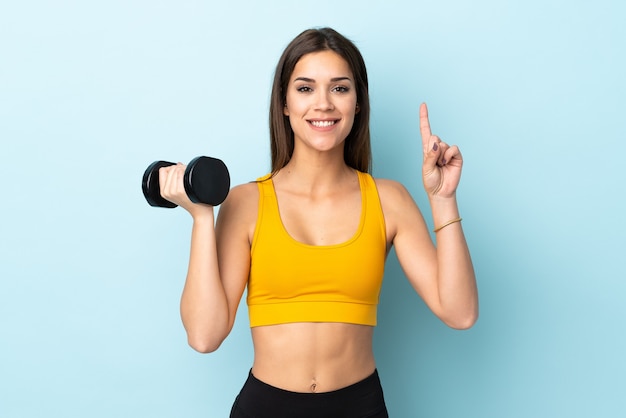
<point>150,185</point>
<point>207,181</point>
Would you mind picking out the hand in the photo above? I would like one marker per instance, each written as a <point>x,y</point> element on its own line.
<point>172,188</point>
<point>441,169</point>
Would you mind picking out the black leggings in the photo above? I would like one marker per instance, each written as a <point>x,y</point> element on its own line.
<point>363,399</point>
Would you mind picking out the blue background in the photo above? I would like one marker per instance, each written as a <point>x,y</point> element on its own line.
<point>91,92</point>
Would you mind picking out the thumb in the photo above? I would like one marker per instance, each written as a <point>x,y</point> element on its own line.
<point>432,153</point>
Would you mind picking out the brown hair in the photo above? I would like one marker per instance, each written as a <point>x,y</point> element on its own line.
<point>357,149</point>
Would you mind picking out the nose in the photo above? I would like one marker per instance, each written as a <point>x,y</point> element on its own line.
<point>324,101</point>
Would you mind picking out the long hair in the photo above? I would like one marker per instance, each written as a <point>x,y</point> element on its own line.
<point>357,148</point>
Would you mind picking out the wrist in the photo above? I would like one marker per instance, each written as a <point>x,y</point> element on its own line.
<point>436,199</point>
<point>443,204</point>
<point>444,209</point>
<point>203,215</point>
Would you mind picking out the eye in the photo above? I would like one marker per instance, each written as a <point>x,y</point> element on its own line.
<point>304,89</point>
<point>341,89</point>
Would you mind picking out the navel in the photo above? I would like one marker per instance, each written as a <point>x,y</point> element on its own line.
<point>313,386</point>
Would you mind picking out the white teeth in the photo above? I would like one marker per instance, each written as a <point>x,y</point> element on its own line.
<point>322,123</point>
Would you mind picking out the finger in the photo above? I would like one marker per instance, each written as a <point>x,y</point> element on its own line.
<point>452,154</point>
<point>432,146</point>
<point>169,179</point>
<point>175,180</point>
<point>425,127</point>
<point>163,175</point>
<point>433,152</point>
<point>443,149</point>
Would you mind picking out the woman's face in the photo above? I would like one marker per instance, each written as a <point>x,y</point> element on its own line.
<point>321,101</point>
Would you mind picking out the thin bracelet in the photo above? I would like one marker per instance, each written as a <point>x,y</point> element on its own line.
<point>447,223</point>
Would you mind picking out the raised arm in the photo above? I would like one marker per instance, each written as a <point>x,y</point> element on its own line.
<point>218,263</point>
<point>442,274</point>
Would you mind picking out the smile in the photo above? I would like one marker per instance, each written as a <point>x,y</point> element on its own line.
<point>322,123</point>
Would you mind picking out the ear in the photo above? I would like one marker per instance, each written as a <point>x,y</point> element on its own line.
<point>285,110</point>
<point>357,109</point>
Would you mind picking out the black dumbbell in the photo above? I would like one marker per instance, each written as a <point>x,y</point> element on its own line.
<point>206,181</point>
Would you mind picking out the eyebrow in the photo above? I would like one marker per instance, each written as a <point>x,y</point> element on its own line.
<point>334,79</point>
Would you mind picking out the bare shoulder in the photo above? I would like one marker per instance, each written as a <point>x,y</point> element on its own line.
<point>243,195</point>
<point>240,208</point>
<point>399,208</point>
<point>392,193</point>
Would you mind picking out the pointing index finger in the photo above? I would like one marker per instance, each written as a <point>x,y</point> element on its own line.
<point>424,125</point>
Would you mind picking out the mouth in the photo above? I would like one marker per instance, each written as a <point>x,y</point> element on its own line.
<point>323,123</point>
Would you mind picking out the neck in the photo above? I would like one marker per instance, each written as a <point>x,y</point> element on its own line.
<point>320,172</point>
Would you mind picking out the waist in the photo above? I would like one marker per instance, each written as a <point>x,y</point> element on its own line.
<point>361,399</point>
<point>312,357</point>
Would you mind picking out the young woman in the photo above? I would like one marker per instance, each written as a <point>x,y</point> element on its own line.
<point>310,241</point>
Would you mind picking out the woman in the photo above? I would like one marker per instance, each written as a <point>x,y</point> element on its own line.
<point>310,241</point>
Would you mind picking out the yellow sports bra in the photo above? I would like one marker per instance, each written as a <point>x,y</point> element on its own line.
<point>294,282</point>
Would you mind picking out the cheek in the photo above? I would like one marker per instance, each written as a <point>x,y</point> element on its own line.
<point>292,107</point>
<point>351,109</point>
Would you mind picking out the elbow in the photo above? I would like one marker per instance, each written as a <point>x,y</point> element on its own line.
<point>204,349</point>
<point>203,343</point>
<point>204,346</point>
<point>462,322</point>
<point>206,339</point>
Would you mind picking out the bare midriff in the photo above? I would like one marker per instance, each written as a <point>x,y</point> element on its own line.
<point>312,357</point>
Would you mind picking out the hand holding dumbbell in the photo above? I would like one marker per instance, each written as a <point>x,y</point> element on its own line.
<point>206,180</point>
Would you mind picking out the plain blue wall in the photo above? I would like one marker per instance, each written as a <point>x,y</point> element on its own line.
<point>93,91</point>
